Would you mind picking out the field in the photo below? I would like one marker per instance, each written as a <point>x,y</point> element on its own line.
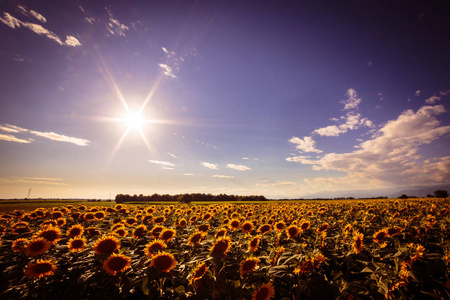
<point>371,249</point>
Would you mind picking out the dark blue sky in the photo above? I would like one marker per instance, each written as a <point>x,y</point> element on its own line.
<point>240,97</point>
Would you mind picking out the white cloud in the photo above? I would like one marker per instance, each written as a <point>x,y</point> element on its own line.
<point>38,29</point>
<point>307,144</point>
<point>61,138</point>
<point>163,163</point>
<point>48,135</point>
<point>32,180</point>
<point>114,26</point>
<point>222,176</point>
<point>238,167</point>
<point>331,130</point>
<point>210,165</point>
<point>173,155</point>
<point>188,174</point>
<point>391,156</point>
<point>436,98</point>
<point>22,9</point>
<point>167,70</point>
<point>11,138</point>
<point>352,101</point>
<point>418,93</point>
<point>72,41</point>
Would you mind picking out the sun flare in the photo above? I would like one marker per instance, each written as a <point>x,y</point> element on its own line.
<point>134,120</point>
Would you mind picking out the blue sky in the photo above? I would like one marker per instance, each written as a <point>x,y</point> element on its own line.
<point>284,99</point>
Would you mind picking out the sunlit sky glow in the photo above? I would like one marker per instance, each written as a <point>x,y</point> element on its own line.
<point>276,98</point>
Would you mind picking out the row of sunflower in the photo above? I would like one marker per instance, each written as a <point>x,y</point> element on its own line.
<point>292,250</point>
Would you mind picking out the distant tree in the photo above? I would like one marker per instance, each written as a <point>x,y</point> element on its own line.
<point>403,196</point>
<point>430,196</point>
<point>185,198</point>
<point>441,194</point>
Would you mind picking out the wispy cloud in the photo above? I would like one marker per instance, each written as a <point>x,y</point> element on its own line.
<point>307,144</point>
<point>38,29</point>
<point>352,100</point>
<point>31,13</point>
<point>48,135</point>
<point>210,165</point>
<point>391,155</point>
<point>32,180</point>
<point>162,163</point>
<point>167,70</point>
<point>222,176</point>
<point>238,167</point>
<point>171,154</point>
<point>61,138</point>
<point>11,138</point>
<point>114,26</point>
<point>276,183</point>
<point>435,98</point>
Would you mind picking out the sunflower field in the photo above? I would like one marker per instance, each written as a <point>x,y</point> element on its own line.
<point>350,249</point>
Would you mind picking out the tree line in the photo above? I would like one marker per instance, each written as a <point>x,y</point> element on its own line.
<point>186,198</point>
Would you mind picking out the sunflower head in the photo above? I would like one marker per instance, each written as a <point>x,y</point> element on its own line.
<point>106,245</point>
<point>139,231</point>
<point>163,262</point>
<point>247,227</point>
<point>358,242</point>
<point>198,272</point>
<point>167,234</point>
<point>265,292</point>
<point>248,265</point>
<point>234,224</point>
<point>293,231</point>
<point>221,246</point>
<point>116,263</point>
<point>253,243</point>
<point>75,230</point>
<point>196,237</point>
<point>264,228</point>
<point>182,223</point>
<point>19,245</point>
<point>156,231</point>
<point>41,268</point>
<point>37,246</point>
<point>221,232</point>
<point>76,244</point>
<point>204,227</point>
<point>280,226</point>
<point>153,247</point>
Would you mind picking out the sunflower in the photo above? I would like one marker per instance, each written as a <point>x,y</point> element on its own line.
<point>120,232</point>
<point>117,226</point>
<point>198,272</point>
<point>167,234</point>
<point>92,231</point>
<point>156,244</point>
<point>41,268</point>
<point>323,228</point>
<point>130,221</point>
<point>220,232</point>
<point>221,246</point>
<point>57,215</point>
<point>139,231</point>
<point>51,234</point>
<point>304,225</point>
<point>61,221</point>
<point>75,230</point>
<point>159,220</point>
<point>182,223</point>
<point>99,215</point>
<point>265,228</point>
<point>116,263</point>
<point>358,242</point>
<point>234,224</point>
<point>106,245</point>
<point>253,243</point>
<point>280,226</point>
<point>293,231</point>
<point>163,262</point>
<point>89,216</point>
<point>379,236</point>
<point>265,292</point>
<point>49,223</point>
<point>196,238</point>
<point>19,245</point>
<point>248,265</point>
<point>247,227</point>
<point>156,231</point>
<point>147,219</point>
<point>392,231</point>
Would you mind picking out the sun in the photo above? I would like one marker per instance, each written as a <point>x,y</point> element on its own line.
<point>134,120</point>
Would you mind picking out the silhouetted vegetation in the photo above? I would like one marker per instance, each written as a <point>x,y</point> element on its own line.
<point>441,194</point>
<point>186,198</point>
